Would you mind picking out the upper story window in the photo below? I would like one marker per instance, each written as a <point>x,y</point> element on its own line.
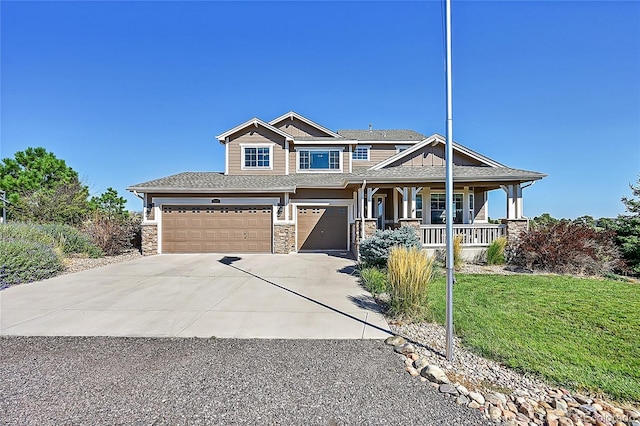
<point>360,153</point>
<point>257,156</point>
<point>319,159</point>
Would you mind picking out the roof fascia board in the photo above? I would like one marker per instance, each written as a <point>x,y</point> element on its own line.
<point>163,190</point>
<point>255,122</point>
<point>404,153</point>
<point>311,123</point>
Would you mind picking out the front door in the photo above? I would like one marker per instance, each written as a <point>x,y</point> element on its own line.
<point>379,211</point>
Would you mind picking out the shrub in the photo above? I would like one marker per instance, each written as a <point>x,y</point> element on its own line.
<point>23,261</point>
<point>71,240</point>
<point>495,251</point>
<point>568,248</point>
<point>374,280</point>
<point>374,251</point>
<point>457,252</point>
<point>113,235</point>
<point>410,271</point>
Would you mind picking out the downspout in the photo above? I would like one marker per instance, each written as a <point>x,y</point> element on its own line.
<point>362,234</point>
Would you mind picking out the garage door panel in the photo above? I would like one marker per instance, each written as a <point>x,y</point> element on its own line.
<point>322,228</point>
<point>192,229</point>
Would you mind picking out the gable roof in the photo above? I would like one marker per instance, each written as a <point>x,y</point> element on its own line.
<point>392,135</point>
<point>437,139</point>
<point>292,114</point>
<point>253,122</point>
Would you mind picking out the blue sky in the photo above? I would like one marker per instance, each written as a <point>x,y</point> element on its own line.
<point>127,92</point>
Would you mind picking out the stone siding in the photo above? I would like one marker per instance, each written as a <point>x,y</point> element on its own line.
<point>149,239</point>
<point>515,227</point>
<point>284,238</point>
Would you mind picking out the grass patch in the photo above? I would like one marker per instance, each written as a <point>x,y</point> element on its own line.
<point>579,333</point>
<point>374,280</point>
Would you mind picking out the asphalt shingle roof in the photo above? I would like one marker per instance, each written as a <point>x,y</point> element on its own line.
<point>218,182</point>
<point>381,135</point>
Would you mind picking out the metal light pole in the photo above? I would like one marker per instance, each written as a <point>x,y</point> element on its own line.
<point>449,189</point>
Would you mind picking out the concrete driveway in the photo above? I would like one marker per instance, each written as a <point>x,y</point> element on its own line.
<point>308,296</point>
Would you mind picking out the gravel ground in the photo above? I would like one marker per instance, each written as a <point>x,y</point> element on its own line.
<point>77,264</point>
<point>99,380</point>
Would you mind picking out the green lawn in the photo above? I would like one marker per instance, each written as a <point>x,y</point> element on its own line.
<point>583,334</point>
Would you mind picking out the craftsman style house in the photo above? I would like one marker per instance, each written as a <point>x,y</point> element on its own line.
<point>293,185</point>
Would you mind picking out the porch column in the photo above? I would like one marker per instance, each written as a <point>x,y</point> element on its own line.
<point>360,203</point>
<point>370,192</point>
<point>286,206</point>
<point>395,205</point>
<point>465,205</point>
<point>426,205</point>
<point>514,201</point>
<point>405,203</point>
<point>519,207</point>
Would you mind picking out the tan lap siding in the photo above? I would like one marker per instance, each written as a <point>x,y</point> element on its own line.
<point>259,135</point>
<point>321,194</point>
<point>377,153</point>
<point>434,156</point>
<point>297,128</point>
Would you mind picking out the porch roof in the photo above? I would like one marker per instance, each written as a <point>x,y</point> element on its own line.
<point>202,182</point>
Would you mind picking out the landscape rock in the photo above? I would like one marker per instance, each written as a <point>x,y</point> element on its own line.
<point>405,349</point>
<point>493,400</point>
<point>462,390</point>
<point>420,363</point>
<point>395,340</point>
<point>477,397</point>
<point>473,404</point>
<point>495,413</point>
<point>462,400</point>
<point>434,374</point>
<point>565,421</point>
<point>448,389</point>
<point>412,371</point>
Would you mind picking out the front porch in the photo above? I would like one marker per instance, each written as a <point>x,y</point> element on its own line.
<point>423,208</point>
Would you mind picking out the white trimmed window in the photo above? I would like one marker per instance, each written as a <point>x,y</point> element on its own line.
<point>360,153</point>
<point>400,148</point>
<point>439,205</point>
<point>257,156</point>
<point>320,159</point>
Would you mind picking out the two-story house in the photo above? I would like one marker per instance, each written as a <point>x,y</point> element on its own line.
<point>293,185</point>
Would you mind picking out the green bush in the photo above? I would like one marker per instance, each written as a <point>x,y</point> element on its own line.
<point>24,231</point>
<point>23,261</point>
<point>374,280</point>
<point>495,252</point>
<point>410,271</point>
<point>70,240</point>
<point>374,251</point>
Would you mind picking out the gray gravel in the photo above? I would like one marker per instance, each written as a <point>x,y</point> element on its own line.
<point>100,380</point>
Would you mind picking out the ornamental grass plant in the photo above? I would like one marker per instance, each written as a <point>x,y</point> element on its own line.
<point>409,273</point>
<point>495,251</point>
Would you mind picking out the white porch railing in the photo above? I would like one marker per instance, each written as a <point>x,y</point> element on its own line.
<point>479,235</point>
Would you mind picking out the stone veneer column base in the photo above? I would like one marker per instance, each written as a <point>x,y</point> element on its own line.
<point>149,239</point>
<point>370,227</point>
<point>515,228</point>
<point>284,238</point>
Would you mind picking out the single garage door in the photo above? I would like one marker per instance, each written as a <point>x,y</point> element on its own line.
<point>322,228</point>
<point>229,229</point>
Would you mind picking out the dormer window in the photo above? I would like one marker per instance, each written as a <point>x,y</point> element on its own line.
<point>360,153</point>
<point>257,156</point>
<point>319,159</point>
